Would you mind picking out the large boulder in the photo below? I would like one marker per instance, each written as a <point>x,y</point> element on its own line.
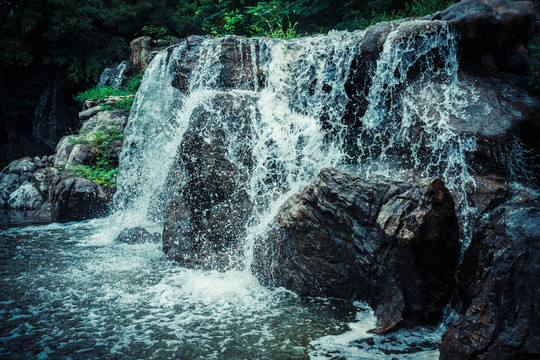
<point>75,198</point>
<point>393,244</point>
<point>487,25</point>
<point>498,286</point>
<point>206,217</point>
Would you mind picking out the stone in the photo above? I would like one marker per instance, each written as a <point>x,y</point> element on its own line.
<point>489,24</point>
<point>392,244</point>
<point>137,235</point>
<point>88,113</point>
<point>105,121</point>
<point>205,219</point>
<point>20,166</point>
<point>81,155</point>
<point>43,177</point>
<point>63,150</point>
<point>75,198</point>
<point>142,49</point>
<point>498,285</point>
<point>26,197</point>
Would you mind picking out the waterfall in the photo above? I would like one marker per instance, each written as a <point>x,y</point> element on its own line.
<point>302,110</point>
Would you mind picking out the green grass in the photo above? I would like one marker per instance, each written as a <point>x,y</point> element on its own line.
<point>414,9</point>
<point>104,92</point>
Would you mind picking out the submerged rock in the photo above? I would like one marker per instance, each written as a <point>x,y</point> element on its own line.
<point>498,285</point>
<point>393,244</point>
<point>75,198</point>
<point>137,235</point>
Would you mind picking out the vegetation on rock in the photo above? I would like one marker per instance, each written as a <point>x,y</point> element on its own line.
<point>104,171</point>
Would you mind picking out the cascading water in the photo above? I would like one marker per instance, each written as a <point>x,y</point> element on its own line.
<point>269,114</point>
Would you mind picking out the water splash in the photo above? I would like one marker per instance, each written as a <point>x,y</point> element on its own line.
<point>296,126</point>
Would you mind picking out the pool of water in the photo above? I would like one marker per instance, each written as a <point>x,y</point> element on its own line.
<point>67,291</point>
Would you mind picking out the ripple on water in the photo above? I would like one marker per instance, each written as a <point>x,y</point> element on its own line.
<point>64,296</point>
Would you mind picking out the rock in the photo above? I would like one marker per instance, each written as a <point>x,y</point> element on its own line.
<point>88,113</point>
<point>43,177</point>
<point>81,155</point>
<point>506,119</point>
<point>393,244</point>
<point>238,67</point>
<point>63,150</point>
<point>114,76</point>
<point>206,218</point>
<point>26,197</point>
<point>18,167</point>
<point>75,198</point>
<point>485,25</point>
<point>106,121</point>
<point>53,117</point>
<point>137,235</point>
<point>141,53</point>
<point>498,285</point>
<point>8,184</point>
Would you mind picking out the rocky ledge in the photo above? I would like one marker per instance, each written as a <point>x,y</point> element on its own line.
<point>393,244</point>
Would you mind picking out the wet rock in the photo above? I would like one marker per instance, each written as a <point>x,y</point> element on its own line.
<point>489,24</point>
<point>81,155</point>
<point>239,63</point>
<point>137,235</point>
<point>75,198</point>
<point>393,244</point>
<point>206,217</point>
<point>498,284</point>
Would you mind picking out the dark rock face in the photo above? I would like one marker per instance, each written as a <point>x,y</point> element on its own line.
<point>487,24</point>
<point>53,117</point>
<point>206,217</point>
<point>75,198</point>
<point>392,244</point>
<point>498,285</point>
<point>137,235</point>
<point>239,63</point>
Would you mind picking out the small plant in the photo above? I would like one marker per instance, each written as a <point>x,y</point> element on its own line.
<point>156,32</point>
<point>125,104</point>
<point>104,171</point>
<point>98,93</point>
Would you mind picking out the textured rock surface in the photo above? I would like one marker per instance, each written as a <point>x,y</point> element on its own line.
<point>137,235</point>
<point>498,285</point>
<point>206,217</point>
<point>393,244</point>
<point>490,24</point>
<point>74,198</point>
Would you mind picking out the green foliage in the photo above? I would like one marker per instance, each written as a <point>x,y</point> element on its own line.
<point>134,84</point>
<point>103,171</point>
<point>156,32</point>
<point>98,93</point>
<point>124,104</point>
<point>416,8</point>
